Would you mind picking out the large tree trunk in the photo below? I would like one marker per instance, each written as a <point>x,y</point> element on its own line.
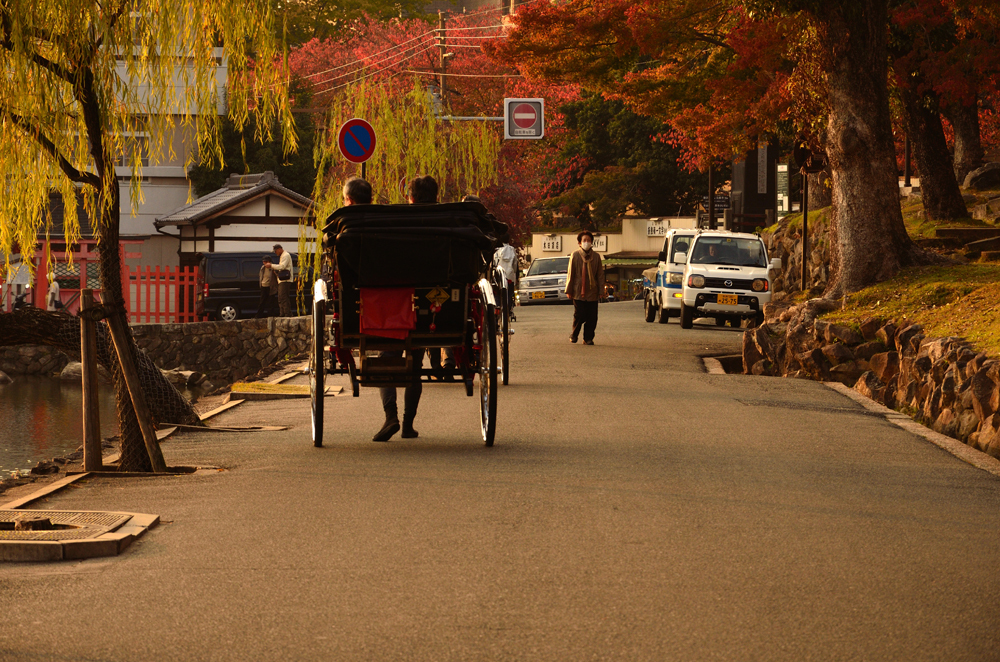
<point>869,239</point>
<point>938,186</point>
<point>968,144</point>
<point>32,326</point>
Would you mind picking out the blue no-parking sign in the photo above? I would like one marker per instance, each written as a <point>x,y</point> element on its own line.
<point>357,140</point>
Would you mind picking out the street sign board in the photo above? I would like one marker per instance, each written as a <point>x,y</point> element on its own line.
<point>552,244</point>
<point>722,202</point>
<point>356,139</point>
<point>601,243</point>
<point>523,119</point>
<point>783,207</point>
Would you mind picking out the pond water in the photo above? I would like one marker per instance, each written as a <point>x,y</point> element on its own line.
<point>42,418</point>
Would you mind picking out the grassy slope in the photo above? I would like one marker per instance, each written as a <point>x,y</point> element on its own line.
<point>958,300</point>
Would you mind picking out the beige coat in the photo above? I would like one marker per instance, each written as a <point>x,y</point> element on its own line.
<point>586,276</point>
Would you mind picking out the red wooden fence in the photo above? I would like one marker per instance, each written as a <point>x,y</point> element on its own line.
<point>162,295</point>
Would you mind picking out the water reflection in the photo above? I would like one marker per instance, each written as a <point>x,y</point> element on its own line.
<point>42,419</point>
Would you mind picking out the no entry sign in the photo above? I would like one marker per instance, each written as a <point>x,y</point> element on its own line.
<point>356,139</point>
<point>524,119</point>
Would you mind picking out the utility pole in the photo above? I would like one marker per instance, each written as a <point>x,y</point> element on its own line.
<point>711,196</point>
<point>442,47</point>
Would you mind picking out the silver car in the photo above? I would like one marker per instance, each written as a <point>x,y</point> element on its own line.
<point>545,281</point>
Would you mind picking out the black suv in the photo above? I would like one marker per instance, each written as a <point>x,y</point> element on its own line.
<point>229,285</point>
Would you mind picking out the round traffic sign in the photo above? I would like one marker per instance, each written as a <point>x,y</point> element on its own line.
<point>356,139</point>
<point>524,115</point>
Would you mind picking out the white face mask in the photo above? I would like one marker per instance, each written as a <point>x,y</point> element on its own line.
<point>585,245</point>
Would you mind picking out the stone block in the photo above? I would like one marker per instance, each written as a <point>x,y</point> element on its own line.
<point>887,334</point>
<point>932,405</point>
<point>946,423</point>
<point>967,424</point>
<point>819,329</point>
<point>869,385</point>
<point>869,349</point>
<point>885,366</point>
<point>837,353</point>
<point>846,373</point>
<point>870,327</point>
<point>844,334</point>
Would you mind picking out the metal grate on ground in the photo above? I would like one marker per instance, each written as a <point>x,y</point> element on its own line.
<point>72,525</point>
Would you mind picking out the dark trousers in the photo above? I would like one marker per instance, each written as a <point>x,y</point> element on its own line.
<point>265,308</point>
<point>411,394</point>
<point>585,315</point>
<point>284,299</point>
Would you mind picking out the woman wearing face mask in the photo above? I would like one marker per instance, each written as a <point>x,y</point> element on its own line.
<point>584,286</point>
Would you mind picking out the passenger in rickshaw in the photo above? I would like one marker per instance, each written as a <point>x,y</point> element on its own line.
<point>421,190</point>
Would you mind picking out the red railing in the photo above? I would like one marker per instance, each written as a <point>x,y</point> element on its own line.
<point>161,295</point>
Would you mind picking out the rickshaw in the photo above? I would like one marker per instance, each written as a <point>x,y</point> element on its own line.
<point>410,278</point>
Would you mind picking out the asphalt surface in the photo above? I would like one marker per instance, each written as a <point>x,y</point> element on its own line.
<point>633,508</point>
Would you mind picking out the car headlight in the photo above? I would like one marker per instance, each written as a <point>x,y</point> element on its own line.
<point>676,279</point>
<point>696,280</point>
<point>562,281</point>
<point>759,285</point>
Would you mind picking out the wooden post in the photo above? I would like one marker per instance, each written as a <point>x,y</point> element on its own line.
<point>92,451</point>
<point>805,230</point>
<point>120,337</point>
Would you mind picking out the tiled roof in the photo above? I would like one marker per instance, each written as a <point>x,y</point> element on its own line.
<point>238,189</point>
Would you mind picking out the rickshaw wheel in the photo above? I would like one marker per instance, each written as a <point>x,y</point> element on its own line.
<point>488,375</point>
<point>317,382</point>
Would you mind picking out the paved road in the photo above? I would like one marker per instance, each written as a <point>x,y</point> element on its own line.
<point>633,508</point>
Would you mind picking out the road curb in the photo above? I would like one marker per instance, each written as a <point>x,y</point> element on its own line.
<point>963,452</point>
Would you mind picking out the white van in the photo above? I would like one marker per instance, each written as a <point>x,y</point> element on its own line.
<point>664,299</point>
<point>727,277</point>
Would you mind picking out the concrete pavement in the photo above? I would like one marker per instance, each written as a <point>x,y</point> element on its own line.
<point>633,507</point>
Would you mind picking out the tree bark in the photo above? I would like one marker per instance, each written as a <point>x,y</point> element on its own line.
<point>820,190</point>
<point>869,239</point>
<point>969,153</point>
<point>938,186</point>
<point>32,326</point>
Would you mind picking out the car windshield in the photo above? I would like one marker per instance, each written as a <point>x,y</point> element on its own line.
<point>734,251</point>
<point>550,265</point>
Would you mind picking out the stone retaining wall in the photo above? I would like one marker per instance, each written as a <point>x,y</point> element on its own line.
<point>224,351</point>
<point>942,382</point>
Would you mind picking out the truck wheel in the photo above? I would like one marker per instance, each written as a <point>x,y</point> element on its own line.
<point>664,315</point>
<point>687,316</point>
<point>650,309</point>
<point>720,321</point>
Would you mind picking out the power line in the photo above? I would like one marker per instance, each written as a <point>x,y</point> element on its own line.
<point>435,73</point>
<point>481,27</point>
<point>391,48</point>
<point>369,65</point>
<point>374,73</point>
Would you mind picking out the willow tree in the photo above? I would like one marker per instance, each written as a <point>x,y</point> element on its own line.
<point>80,79</point>
<point>411,140</point>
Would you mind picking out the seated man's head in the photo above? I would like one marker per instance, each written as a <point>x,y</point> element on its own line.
<point>422,190</point>
<point>357,191</point>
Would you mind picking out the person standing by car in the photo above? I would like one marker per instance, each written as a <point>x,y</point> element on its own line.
<point>268,289</point>
<point>283,274</point>
<point>584,286</point>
